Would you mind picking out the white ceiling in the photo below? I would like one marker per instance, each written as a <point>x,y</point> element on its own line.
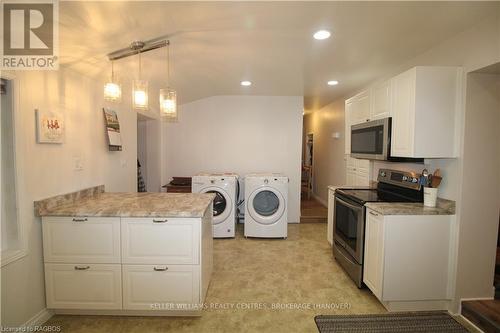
<point>215,45</point>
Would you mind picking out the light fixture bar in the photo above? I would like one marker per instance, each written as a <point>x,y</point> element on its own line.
<point>138,47</point>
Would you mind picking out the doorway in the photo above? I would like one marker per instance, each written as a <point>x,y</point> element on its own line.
<point>478,265</point>
<point>311,210</point>
<point>149,141</point>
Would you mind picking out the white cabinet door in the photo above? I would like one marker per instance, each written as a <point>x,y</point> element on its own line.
<point>164,240</point>
<point>362,165</point>
<point>348,111</point>
<point>374,252</point>
<point>83,286</point>
<point>350,177</point>
<point>147,287</point>
<point>361,178</point>
<point>82,240</point>
<point>361,108</point>
<point>381,101</point>
<point>403,114</point>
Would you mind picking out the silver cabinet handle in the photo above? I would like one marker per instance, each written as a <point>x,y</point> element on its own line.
<point>81,268</point>
<point>80,219</point>
<point>159,221</point>
<point>372,213</point>
<point>160,269</point>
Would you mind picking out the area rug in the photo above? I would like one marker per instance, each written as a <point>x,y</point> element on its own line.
<point>407,322</point>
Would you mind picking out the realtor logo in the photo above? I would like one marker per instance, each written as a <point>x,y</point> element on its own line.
<point>30,35</point>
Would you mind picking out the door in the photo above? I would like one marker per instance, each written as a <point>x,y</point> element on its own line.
<point>222,204</point>
<point>158,287</point>
<point>374,253</point>
<point>349,227</point>
<point>381,101</point>
<point>403,114</point>
<point>348,112</point>
<point>350,176</point>
<point>361,108</point>
<point>83,286</point>
<point>266,205</point>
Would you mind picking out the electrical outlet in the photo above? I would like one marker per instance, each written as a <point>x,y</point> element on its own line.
<point>77,163</point>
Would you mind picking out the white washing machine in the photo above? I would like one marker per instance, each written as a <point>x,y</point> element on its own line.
<point>266,202</point>
<point>225,187</point>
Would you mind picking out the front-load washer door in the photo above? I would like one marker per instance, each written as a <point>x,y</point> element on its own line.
<point>266,205</point>
<point>222,204</point>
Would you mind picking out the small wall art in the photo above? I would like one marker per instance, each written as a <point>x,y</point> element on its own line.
<point>112,129</point>
<point>50,127</point>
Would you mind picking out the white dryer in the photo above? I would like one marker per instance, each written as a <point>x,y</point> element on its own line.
<point>266,202</point>
<point>225,187</point>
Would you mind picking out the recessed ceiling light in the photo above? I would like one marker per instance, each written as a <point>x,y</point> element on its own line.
<point>321,34</point>
<point>333,82</point>
<point>246,83</point>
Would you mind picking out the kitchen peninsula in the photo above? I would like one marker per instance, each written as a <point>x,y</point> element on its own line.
<point>127,253</point>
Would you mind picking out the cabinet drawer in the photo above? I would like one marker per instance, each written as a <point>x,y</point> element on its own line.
<point>160,240</point>
<point>83,286</point>
<point>82,240</point>
<point>145,286</point>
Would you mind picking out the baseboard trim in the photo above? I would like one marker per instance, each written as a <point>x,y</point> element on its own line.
<point>39,319</point>
<point>470,323</point>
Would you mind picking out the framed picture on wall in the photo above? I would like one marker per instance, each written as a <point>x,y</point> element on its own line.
<point>50,127</point>
<point>112,129</point>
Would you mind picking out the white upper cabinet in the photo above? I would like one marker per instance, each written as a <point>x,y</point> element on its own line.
<point>348,110</point>
<point>360,111</point>
<point>380,106</point>
<point>424,104</point>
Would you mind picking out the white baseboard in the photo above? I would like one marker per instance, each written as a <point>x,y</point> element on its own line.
<point>470,323</point>
<point>39,319</point>
<point>473,299</point>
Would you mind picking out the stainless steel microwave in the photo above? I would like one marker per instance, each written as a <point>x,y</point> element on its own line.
<point>371,140</point>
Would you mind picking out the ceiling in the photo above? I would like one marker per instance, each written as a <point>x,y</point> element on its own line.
<point>215,45</point>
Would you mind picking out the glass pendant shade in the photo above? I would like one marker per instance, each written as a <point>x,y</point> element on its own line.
<point>168,103</point>
<point>112,89</point>
<point>112,92</point>
<point>140,95</point>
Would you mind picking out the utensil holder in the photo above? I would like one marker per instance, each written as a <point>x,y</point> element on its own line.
<point>430,196</point>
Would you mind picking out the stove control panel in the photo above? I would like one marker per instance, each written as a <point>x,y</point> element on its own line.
<point>400,178</point>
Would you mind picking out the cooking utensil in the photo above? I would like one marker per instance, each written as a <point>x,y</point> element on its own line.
<point>436,181</point>
<point>424,178</point>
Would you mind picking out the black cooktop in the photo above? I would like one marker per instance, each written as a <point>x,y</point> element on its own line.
<point>383,193</point>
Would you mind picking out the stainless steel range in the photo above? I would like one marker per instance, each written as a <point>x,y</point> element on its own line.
<point>349,218</point>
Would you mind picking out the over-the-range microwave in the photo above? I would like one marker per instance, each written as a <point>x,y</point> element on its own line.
<point>371,140</point>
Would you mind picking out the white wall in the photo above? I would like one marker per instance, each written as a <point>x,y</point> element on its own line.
<point>48,169</point>
<point>480,194</point>
<point>10,231</point>
<point>241,134</point>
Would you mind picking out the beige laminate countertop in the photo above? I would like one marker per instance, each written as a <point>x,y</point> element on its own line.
<point>444,207</point>
<point>130,204</point>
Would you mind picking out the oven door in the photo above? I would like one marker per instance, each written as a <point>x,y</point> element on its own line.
<point>371,140</point>
<point>350,227</point>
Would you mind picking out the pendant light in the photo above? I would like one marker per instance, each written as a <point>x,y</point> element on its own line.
<point>168,96</point>
<point>140,91</point>
<point>112,89</point>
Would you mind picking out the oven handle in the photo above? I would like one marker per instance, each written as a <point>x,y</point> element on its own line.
<point>345,203</point>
